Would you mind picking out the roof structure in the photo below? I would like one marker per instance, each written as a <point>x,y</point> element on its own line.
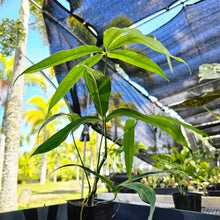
<point>193,34</point>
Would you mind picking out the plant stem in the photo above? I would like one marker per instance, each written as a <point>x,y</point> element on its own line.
<point>99,166</point>
<point>77,150</point>
<point>99,155</point>
<point>106,62</point>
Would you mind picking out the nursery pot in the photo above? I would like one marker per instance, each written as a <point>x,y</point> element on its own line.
<point>119,178</point>
<point>213,189</point>
<point>187,201</point>
<point>98,212</point>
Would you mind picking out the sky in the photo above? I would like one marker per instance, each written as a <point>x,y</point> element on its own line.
<point>36,50</point>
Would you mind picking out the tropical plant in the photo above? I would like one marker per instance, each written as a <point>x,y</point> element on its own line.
<point>28,168</point>
<point>35,117</point>
<point>13,117</point>
<point>189,169</point>
<point>10,31</point>
<point>206,72</point>
<point>99,87</point>
<point>13,110</point>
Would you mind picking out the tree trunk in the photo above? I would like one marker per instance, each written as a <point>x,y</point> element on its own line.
<point>8,198</point>
<point>43,172</point>
<point>2,147</point>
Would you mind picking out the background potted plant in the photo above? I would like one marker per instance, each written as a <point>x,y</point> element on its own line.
<point>190,172</point>
<point>213,188</point>
<point>99,87</point>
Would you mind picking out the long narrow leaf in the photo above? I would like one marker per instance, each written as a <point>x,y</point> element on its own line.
<point>133,179</point>
<point>99,87</point>
<point>211,112</point>
<point>110,35</point>
<point>174,121</point>
<point>146,194</point>
<point>129,145</point>
<point>164,123</point>
<point>129,36</point>
<point>56,139</point>
<point>104,179</point>
<point>166,126</point>
<point>71,78</point>
<point>62,57</point>
<point>138,60</point>
<point>72,115</point>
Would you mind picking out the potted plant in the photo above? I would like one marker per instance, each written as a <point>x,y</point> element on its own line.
<point>208,71</point>
<point>190,171</point>
<point>213,188</point>
<point>99,87</point>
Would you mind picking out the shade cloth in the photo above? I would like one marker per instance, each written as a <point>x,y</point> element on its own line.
<point>194,35</point>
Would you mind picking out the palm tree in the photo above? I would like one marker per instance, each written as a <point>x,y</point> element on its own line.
<point>35,118</point>
<point>6,69</point>
<point>13,117</point>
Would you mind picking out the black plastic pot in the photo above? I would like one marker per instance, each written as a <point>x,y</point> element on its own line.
<point>165,190</point>
<point>98,212</point>
<point>125,212</point>
<point>187,201</point>
<point>119,178</point>
<point>213,189</point>
<point>213,192</point>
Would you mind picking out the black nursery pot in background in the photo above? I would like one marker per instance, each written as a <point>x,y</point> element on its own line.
<point>213,189</point>
<point>119,178</point>
<point>98,212</point>
<point>187,201</point>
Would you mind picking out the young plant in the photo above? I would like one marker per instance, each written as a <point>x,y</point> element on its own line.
<point>187,167</point>
<point>99,88</point>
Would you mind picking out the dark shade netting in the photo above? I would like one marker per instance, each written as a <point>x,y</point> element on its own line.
<point>60,39</point>
<point>99,13</point>
<point>193,35</point>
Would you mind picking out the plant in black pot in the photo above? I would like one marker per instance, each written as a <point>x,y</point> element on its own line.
<point>189,170</point>
<point>213,188</point>
<point>98,83</point>
<point>209,71</point>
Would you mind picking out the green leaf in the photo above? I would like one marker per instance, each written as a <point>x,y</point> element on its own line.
<point>70,116</point>
<point>104,179</point>
<point>129,145</point>
<point>165,123</point>
<point>110,35</point>
<point>62,57</point>
<point>56,139</point>
<point>146,194</point>
<point>126,39</point>
<point>71,78</point>
<point>138,60</point>
<point>99,87</point>
<point>211,112</point>
<point>129,36</point>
